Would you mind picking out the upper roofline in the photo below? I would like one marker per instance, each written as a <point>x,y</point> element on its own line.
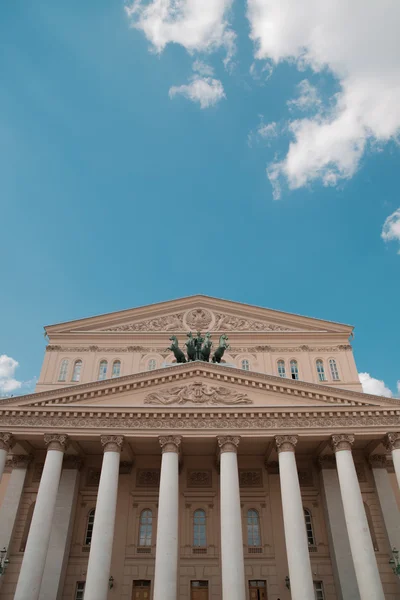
<point>164,303</point>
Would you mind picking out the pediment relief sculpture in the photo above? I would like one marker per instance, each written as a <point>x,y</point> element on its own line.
<point>198,393</point>
<point>199,319</point>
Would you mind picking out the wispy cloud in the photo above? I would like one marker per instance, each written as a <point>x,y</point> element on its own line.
<point>308,97</point>
<point>202,87</point>
<point>370,385</point>
<point>391,228</point>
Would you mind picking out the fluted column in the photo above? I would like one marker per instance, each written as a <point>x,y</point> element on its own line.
<point>98,572</point>
<point>34,560</point>
<point>387,499</point>
<point>6,443</point>
<point>166,567</point>
<point>392,443</point>
<point>367,574</point>
<point>301,581</point>
<point>232,561</point>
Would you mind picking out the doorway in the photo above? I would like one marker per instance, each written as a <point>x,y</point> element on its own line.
<point>258,590</point>
<point>199,590</point>
<point>141,590</point>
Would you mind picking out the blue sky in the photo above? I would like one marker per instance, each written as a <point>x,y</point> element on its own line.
<point>119,187</point>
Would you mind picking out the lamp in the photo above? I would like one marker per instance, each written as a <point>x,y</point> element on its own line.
<point>394,562</point>
<point>3,560</point>
<point>287,582</point>
<point>111,582</point>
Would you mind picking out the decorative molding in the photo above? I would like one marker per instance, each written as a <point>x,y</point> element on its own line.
<point>197,393</point>
<point>199,478</point>
<point>56,441</point>
<point>168,323</point>
<point>327,461</point>
<point>112,443</point>
<point>378,461</point>
<point>19,461</point>
<point>392,441</point>
<point>250,478</point>
<point>147,478</point>
<point>342,441</point>
<point>170,443</point>
<point>228,443</point>
<point>6,441</point>
<point>198,319</point>
<point>225,322</point>
<point>286,443</point>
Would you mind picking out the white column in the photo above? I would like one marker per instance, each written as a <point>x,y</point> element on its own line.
<point>366,568</point>
<point>60,538</point>
<point>166,568</point>
<point>32,567</point>
<point>392,442</point>
<point>232,561</point>
<point>301,581</point>
<point>98,572</point>
<point>339,544</point>
<point>387,500</point>
<point>6,443</point>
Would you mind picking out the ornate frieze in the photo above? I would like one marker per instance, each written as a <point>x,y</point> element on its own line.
<point>342,441</point>
<point>6,441</point>
<point>172,322</point>
<point>112,443</point>
<point>286,443</point>
<point>392,442</point>
<point>197,478</point>
<point>250,478</point>
<point>228,443</point>
<point>56,441</point>
<point>197,393</point>
<point>19,461</point>
<point>170,443</point>
<point>224,322</point>
<point>148,478</point>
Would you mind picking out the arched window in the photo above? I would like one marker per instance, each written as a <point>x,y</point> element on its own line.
<point>253,528</point>
<point>309,527</point>
<point>27,527</point>
<point>152,364</point>
<point>199,528</point>
<point>103,370</point>
<point>63,370</point>
<point>371,527</point>
<point>294,369</point>
<point>245,364</point>
<point>333,369</point>
<point>116,370</point>
<point>89,527</point>
<point>320,370</point>
<point>281,368</point>
<point>76,375</point>
<point>145,527</point>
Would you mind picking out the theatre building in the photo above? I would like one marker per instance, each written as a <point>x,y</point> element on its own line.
<point>140,469</point>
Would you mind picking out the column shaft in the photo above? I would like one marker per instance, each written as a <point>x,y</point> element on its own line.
<point>301,581</point>
<point>233,584</point>
<point>166,567</point>
<point>387,500</point>
<point>392,443</point>
<point>32,567</point>
<point>98,572</point>
<point>369,582</point>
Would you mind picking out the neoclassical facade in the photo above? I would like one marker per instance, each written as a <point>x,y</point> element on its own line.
<point>130,476</point>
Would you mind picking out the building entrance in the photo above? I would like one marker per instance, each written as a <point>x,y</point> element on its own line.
<point>258,590</point>
<point>199,590</point>
<point>141,590</point>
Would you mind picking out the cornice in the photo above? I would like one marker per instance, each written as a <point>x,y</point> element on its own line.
<point>232,350</point>
<point>248,379</point>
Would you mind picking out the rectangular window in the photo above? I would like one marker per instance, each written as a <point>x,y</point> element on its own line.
<point>319,590</point>
<point>80,590</point>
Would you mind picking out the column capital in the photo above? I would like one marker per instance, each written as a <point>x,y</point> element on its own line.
<point>170,443</point>
<point>228,443</point>
<point>112,443</point>
<point>7,441</point>
<point>19,461</point>
<point>56,441</point>
<point>392,441</point>
<point>342,441</point>
<point>286,443</point>
<point>327,461</point>
<point>377,461</point>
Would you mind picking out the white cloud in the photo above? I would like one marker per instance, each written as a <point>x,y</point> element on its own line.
<point>391,227</point>
<point>370,385</point>
<point>202,68</point>
<point>197,25</point>
<point>264,132</point>
<point>358,42</point>
<point>307,99</point>
<point>7,370</point>
<point>207,91</point>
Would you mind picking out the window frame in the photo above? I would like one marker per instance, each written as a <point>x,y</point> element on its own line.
<point>64,361</point>
<point>76,376</point>
<point>319,583</point>
<point>145,522</point>
<point>199,528</point>
<point>79,587</point>
<point>150,363</point>
<point>255,526</point>
<point>90,517</point>
<point>321,374</point>
<point>294,369</point>
<point>279,363</point>
<point>103,361</point>
<point>245,364</point>
<point>309,523</point>
<point>117,361</point>
<point>334,373</point>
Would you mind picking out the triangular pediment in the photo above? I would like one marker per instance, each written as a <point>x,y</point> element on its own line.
<point>198,313</point>
<point>199,385</point>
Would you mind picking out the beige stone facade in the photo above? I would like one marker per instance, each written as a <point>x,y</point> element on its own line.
<point>269,475</point>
